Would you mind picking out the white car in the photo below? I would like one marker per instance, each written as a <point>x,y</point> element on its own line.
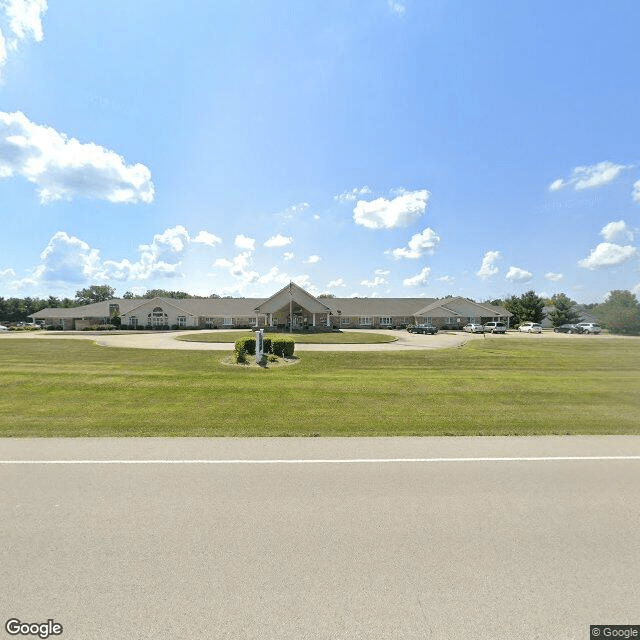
<point>3,328</point>
<point>530,327</point>
<point>589,327</point>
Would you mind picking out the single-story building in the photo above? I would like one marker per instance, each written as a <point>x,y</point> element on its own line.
<point>291,307</point>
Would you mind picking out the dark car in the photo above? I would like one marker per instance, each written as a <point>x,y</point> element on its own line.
<point>568,328</point>
<point>422,328</point>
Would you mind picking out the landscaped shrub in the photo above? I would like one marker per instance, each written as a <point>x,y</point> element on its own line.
<point>266,342</point>
<point>240,356</point>
<point>283,347</point>
<point>247,344</point>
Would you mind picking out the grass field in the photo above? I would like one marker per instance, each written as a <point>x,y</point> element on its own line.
<point>360,337</point>
<point>488,387</point>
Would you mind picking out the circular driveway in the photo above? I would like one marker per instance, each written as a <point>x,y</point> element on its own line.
<point>405,341</point>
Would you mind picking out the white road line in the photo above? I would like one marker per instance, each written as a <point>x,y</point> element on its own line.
<point>332,461</point>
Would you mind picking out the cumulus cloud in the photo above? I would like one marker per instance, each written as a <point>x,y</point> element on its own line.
<point>607,254</point>
<point>554,277</point>
<point>424,242</point>
<point>447,279</point>
<point>338,282</point>
<point>204,237</point>
<point>382,272</point>
<point>420,279</point>
<point>63,168</point>
<point>293,211</point>
<point>288,255</point>
<point>488,268</point>
<point>245,242</point>
<point>376,282</point>
<point>278,241</point>
<point>24,21</point>
<point>397,7</point>
<point>400,211</point>
<point>590,177</point>
<point>515,274</point>
<point>352,196</point>
<point>312,259</point>
<point>617,232</point>
<point>636,191</point>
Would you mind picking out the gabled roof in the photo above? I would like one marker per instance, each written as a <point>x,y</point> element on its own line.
<point>292,292</point>
<point>391,307</point>
<point>155,302</point>
<point>463,307</point>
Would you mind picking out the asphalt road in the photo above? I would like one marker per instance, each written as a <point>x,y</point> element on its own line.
<point>207,540</point>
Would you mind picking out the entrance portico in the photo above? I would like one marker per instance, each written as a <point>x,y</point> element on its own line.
<point>294,308</point>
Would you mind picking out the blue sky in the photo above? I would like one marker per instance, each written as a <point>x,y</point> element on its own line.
<point>372,147</point>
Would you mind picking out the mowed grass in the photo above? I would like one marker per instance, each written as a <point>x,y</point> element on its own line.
<point>489,387</point>
<point>360,337</point>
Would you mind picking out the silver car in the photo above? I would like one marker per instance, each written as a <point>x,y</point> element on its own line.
<point>495,327</point>
<point>589,327</point>
<point>472,327</point>
<point>530,327</point>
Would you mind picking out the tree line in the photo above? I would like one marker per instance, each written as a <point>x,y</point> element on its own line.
<point>619,313</point>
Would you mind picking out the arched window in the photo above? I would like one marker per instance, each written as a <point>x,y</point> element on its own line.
<point>158,317</point>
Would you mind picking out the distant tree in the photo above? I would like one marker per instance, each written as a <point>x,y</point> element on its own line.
<point>214,295</point>
<point>620,313</point>
<point>326,295</point>
<point>95,293</point>
<point>163,293</point>
<point>53,302</point>
<point>498,302</point>
<point>526,308</point>
<point>128,295</point>
<point>563,312</point>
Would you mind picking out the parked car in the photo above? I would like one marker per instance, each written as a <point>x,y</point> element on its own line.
<point>422,328</point>
<point>3,328</point>
<point>472,327</point>
<point>495,327</point>
<point>568,328</point>
<point>589,327</point>
<point>530,327</point>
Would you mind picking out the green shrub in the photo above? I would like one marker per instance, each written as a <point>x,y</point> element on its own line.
<point>283,347</point>
<point>266,344</point>
<point>247,344</point>
<point>240,356</point>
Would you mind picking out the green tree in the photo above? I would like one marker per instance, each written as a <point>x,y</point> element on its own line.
<point>620,313</point>
<point>95,293</point>
<point>563,313</point>
<point>526,308</point>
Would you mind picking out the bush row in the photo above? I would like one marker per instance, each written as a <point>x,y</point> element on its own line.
<point>283,347</point>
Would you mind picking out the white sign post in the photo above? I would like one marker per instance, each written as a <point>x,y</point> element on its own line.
<point>259,345</point>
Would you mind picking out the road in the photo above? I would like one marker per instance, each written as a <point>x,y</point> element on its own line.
<point>399,538</point>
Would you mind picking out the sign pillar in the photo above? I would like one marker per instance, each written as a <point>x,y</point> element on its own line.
<point>259,345</point>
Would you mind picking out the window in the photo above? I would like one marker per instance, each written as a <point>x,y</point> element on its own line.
<point>365,320</point>
<point>158,317</point>
<point>182,321</point>
<point>385,321</point>
<point>133,321</point>
<point>429,320</point>
<point>227,322</point>
<point>345,320</point>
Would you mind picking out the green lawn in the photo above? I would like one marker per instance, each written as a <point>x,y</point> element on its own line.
<point>359,337</point>
<point>489,387</point>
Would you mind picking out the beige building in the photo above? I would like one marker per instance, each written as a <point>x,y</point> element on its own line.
<point>291,307</point>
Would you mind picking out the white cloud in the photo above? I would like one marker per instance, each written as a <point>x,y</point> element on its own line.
<point>401,211</point>
<point>607,254</point>
<point>204,237</point>
<point>352,196</point>
<point>339,282</point>
<point>515,274</point>
<point>63,168</point>
<point>278,241</point>
<point>419,279</point>
<point>244,242</point>
<point>288,255</point>
<point>617,232</point>
<point>294,210</point>
<point>636,191</point>
<point>24,18</point>
<point>590,177</point>
<point>447,279</point>
<point>313,259</point>
<point>636,289</point>
<point>420,243</point>
<point>554,277</point>
<point>376,282</point>
<point>382,272</point>
<point>316,216</point>
<point>397,7</point>
<point>488,268</point>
